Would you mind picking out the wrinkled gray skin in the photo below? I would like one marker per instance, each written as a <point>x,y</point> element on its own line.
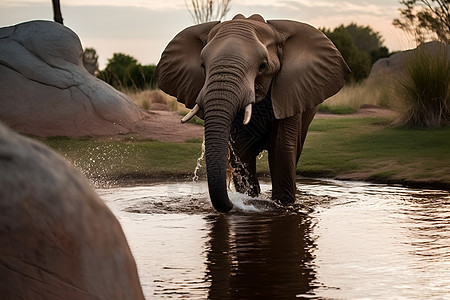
<point>224,67</point>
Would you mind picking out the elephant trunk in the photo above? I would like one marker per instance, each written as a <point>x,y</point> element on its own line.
<point>216,151</point>
<point>223,97</point>
<point>217,131</point>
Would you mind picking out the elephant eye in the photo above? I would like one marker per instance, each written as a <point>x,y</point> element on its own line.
<point>263,66</point>
<point>203,68</point>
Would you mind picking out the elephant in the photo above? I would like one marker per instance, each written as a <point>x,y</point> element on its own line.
<point>257,85</point>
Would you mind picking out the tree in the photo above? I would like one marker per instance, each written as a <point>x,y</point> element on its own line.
<point>117,71</point>
<point>207,10</point>
<point>368,41</point>
<point>425,20</point>
<point>90,60</point>
<point>365,38</point>
<point>360,46</point>
<point>381,52</point>
<point>358,61</point>
<point>57,16</point>
<point>124,72</point>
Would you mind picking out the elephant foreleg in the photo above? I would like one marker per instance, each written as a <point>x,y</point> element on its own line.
<point>283,148</point>
<point>247,142</point>
<point>286,143</point>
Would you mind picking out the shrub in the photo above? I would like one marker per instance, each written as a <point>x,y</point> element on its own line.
<point>124,72</point>
<point>425,93</point>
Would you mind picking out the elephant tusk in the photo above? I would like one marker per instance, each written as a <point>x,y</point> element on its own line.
<point>248,114</point>
<point>191,114</point>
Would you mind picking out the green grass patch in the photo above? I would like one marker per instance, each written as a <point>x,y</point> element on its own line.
<point>338,109</point>
<point>364,146</point>
<point>357,148</point>
<point>118,159</point>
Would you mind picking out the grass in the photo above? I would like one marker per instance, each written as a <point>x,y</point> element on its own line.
<point>425,92</point>
<point>145,99</point>
<point>351,97</point>
<point>347,148</point>
<point>111,160</point>
<point>368,149</point>
<point>337,109</point>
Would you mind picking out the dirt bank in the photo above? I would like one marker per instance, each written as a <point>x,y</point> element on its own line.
<point>164,126</point>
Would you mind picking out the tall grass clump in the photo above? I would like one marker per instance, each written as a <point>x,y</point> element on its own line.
<point>425,92</point>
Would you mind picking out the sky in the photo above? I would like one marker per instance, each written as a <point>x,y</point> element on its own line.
<point>142,28</point>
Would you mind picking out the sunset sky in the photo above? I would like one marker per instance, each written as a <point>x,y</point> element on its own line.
<point>142,28</point>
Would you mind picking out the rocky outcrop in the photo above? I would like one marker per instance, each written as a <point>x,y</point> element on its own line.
<point>58,240</point>
<point>46,91</point>
<point>395,65</point>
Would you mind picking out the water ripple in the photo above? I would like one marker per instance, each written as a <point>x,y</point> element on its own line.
<point>339,239</point>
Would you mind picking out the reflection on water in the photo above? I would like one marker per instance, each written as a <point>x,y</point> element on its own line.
<point>259,257</point>
<point>341,240</point>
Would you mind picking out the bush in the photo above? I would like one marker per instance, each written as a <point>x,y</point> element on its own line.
<point>360,47</point>
<point>425,93</point>
<point>123,72</point>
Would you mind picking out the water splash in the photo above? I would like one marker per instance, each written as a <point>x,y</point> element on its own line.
<point>261,154</point>
<point>246,204</point>
<point>97,161</point>
<point>199,161</point>
<point>239,173</point>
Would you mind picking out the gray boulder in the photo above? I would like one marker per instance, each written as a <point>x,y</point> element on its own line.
<point>396,64</point>
<point>46,91</point>
<point>58,240</point>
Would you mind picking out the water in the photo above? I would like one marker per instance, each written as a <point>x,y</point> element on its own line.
<point>341,240</point>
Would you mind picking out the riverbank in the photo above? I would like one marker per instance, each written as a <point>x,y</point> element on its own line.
<point>369,149</point>
<point>360,146</point>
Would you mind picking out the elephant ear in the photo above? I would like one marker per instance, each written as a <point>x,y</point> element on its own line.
<point>179,72</point>
<point>312,69</point>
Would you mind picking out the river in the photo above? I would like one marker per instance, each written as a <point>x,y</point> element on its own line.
<point>340,240</point>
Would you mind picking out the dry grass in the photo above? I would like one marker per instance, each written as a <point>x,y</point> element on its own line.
<point>158,100</point>
<point>351,97</point>
<point>348,100</point>
<point>145,99</point>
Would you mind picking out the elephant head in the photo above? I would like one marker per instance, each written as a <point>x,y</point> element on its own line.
<point>219,69</point>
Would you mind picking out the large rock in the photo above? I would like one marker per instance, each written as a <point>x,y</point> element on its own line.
<point>58,240</point>
<point>396,64</point>
<point>45,90</point>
